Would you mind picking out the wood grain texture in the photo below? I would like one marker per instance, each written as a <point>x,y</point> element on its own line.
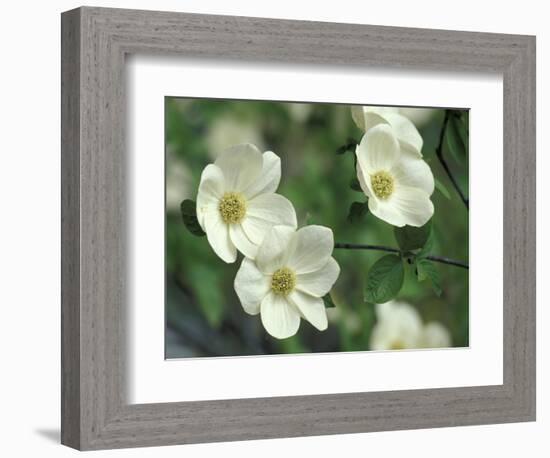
<point>95,41</point>
<point>70,229</point>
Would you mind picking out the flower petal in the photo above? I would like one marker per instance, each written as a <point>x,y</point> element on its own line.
<point>364,181</point>
<point>320,282</point>
<point>211,189</point>
<point>399,326</point>
<point>273,251</point>
<point>269,178</point>
<point>312,308</point>
<point>366,117</point>
<point>251,286</point>
<point>414,204</point>
<point>435,335</point>
<point>265,211</point>
<point>242,242</point>
<point>406,132</point>
<point>378,150</point>
<point>280,319</point>
<point>311,248</point>
<point>397,312</point>
<point>217,234</point>
<point>383,210</point>
<point>241,166</point>
<point>406,206</point>
<point>414,173</point>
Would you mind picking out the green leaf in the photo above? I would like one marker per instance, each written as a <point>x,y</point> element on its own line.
<point>189,215</point>
<point>454,141</point>
<point>357,212</point>
<point>463,127</point>
<point>329,303</point>
<point>385,279</point>
<point>410,238</point>
<point>427,248</point>
<point>354,184</point>
<point>426,270</point>
<point>442,189</point>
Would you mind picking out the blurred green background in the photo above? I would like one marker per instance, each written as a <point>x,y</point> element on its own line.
<point>203,314</point>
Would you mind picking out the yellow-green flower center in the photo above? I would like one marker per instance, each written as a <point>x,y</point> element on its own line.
<point>382,184</point>
<point>283,281</point>
<point>232,207</point>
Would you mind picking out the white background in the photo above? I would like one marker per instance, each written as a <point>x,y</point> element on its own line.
<point>29,233</point>
<point>155,380</point>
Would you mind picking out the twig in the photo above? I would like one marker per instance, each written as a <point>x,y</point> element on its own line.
<point>439,154</point>
<point>360,246</point>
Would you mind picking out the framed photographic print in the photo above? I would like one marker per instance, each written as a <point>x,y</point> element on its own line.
<point>283,228</point>
<point>323,192</point>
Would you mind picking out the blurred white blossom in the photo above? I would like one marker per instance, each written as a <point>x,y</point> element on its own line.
<point>299,112</point>
<point>400,327</point>
<point>226,131</point>
<point>435,335</point>
<point>178,182</point>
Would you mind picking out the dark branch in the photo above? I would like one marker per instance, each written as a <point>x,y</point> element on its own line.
<point>360,246</point>
<point>439,154</point>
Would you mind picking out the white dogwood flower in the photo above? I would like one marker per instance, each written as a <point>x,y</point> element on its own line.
<point>397,184</point>
<point>400,327</point>
<point>236,201</point>
<point>292,271</point>
<point>435,335</point>
<point>367,117</point>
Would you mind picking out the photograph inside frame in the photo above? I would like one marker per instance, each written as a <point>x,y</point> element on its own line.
<point>313,228</point>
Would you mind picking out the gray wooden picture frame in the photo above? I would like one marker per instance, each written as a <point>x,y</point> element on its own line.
<point>95,412</point>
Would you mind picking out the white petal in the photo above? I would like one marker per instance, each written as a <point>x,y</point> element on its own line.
<point>382,337</point>
<point>389,336</point>
<point>280,319</point>
<point>269,178</point>
<point>406,133</point>
<point>211,189</point>
<point>273,251</point>
<point>311,249</point>
<point>251,286</point>
<point>364,181</point>
<point>242,242</point>
<point>241,166</point>
<point>357,116</point>
<point>398,312</point>
<point>312,308</point>
<point>320,282</point>
<point>406,206</point>
<point>265,211</point>
<point>386,212</point>
<point>399,326</point>
<point>386,310</point>
<point>435,335</point>
<point>414,204</point>
<point>378,150</point>
<point>414,173</point>
<point>217,233</point>
<point>366,117</point>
